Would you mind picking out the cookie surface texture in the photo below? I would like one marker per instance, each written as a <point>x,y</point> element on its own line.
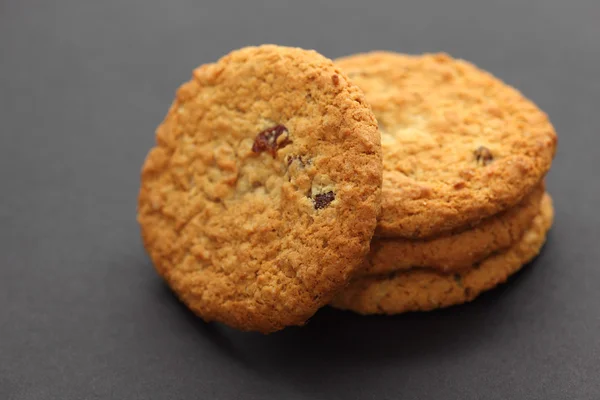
<point>424,290</point>
<point>457,251</point>
<point>262,193</point>
<point>458,144</point>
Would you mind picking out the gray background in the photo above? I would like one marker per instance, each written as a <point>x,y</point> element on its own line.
<point>83,315</point>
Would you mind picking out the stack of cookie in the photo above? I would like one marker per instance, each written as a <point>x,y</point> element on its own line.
<point>282,182</point>
<point>463,201</point>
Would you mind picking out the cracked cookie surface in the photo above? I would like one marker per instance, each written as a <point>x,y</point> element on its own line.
<point>458,144</point>
<point>423,290</point>
<point>261,195</point>
<point>456,251</point>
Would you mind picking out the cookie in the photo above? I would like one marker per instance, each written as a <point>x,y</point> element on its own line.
<point>458,144</point>
<point>424,290</point>
<point>262,194</point>
<point>457,251</point>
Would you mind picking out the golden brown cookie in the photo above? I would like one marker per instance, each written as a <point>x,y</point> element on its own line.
<point>424,290</point>
<point>261,196</point>
<point>457,251</point>
<point>458,144</point>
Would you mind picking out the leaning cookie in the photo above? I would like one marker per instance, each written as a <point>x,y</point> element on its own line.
<point>423,290</point>
<point>454,252</point>
<point>260,198</point>
<point>458,144</point>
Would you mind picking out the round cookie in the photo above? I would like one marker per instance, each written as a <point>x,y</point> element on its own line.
<point>262,193</point>
<point>457,251</point>
<point>424,290</point>
<point>458,144</point>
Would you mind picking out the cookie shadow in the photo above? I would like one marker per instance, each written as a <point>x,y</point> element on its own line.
<point>334,342</point>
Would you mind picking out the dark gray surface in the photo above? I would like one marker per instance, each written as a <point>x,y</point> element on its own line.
<point>84,316</point>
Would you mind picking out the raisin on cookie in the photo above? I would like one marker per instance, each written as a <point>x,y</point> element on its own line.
<point>261,196</point>
<point>423,290</point>
<point>458,144</point>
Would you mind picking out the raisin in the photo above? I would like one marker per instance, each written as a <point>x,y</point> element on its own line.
<point>322,200</point>
<point>458,279</point>
<point>335,79</point>
<point>268,140</point>
<point>483,155</point>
